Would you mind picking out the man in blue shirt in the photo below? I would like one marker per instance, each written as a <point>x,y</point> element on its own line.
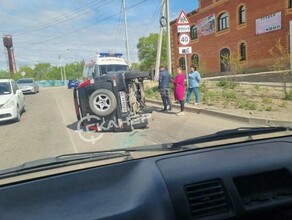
<point>194,78</point>
<point>164,79</point>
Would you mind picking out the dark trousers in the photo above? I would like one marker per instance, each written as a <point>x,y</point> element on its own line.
<point>164,92</point>
<point>182,105</point>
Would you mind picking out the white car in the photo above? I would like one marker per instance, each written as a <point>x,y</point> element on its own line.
<point>12,102</point>
<point>28,85</point>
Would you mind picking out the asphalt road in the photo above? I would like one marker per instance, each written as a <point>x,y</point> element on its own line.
<point>50,128</point>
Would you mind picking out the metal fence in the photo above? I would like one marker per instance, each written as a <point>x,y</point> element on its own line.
<point>51,83</point>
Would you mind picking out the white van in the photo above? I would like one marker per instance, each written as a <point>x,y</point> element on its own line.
<point>103,63</point>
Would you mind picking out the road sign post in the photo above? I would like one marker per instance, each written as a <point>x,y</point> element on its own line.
<point>183,27</point>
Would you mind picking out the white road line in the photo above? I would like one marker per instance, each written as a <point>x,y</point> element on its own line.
<point>69,134</point>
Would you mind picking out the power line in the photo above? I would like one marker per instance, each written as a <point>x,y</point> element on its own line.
<point>119,29</point>
<point>62,18</point>
<point>81,29</point>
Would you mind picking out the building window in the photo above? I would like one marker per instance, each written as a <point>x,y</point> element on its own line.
<point>289,3</point>
<point>195,60</point>
<point>223,22</point>
<point>194,32</point>
<point>242,52</point>
<point>224,60</point>
<point>182,63</point>
<point>242,16</point>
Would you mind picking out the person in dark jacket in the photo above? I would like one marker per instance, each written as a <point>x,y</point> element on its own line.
<point>164,79</point>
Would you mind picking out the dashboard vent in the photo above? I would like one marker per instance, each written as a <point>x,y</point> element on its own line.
<point>207,198</point>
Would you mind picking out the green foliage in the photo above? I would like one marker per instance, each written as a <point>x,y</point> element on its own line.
<point>4,75</point>
<point>229,95</point>
<point>247,104</point>
<point>257,87</point>
<point>269,108</point>
<point>281,63</point>
<point>152,92</point>
<point>226,84</point>
<point>210,97</point>
<point>147,50</point>
<point>135,66</point>
<point>289,95</point>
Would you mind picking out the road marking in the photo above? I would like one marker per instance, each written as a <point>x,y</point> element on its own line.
<point>63,119</point>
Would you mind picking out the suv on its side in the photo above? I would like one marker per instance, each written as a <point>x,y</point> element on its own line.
<point>112,97</point>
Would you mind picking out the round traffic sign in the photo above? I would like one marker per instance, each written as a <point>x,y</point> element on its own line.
<point>184,39</point>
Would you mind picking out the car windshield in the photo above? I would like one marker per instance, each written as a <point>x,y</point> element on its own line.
<point>24,81</point>
<point>103,69</point>
<point>5,88</point>
<point>110,75</point>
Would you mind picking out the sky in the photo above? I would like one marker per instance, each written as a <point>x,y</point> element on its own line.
<point>60,32</point>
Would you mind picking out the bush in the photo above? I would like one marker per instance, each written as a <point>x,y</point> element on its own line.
<point>247,105</point>
<point>269,108</point>
<point>229,95</point>
<point>289,95</point>
<point>226,84</point>
<point>152,92</point>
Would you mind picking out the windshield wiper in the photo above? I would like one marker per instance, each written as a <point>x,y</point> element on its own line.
<point>62,161</point>
<point>230,134</point>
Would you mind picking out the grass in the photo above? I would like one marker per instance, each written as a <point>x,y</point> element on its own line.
<point>223,95</point>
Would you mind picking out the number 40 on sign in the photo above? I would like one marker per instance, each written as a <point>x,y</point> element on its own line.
<point>184,39</point>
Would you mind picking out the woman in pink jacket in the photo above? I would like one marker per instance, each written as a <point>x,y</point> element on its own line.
<point>179,89</point>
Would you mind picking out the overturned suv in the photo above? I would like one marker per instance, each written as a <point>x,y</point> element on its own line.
<point>113,102</point>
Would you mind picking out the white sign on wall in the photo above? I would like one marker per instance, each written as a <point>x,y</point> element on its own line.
<point>268,23</point>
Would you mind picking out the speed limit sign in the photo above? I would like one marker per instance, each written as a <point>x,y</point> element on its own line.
<point>184,39</point>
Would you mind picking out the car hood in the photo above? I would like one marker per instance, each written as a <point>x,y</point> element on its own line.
<point>4,98</point>
<point>25,84</point>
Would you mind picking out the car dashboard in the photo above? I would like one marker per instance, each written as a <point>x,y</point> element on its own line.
<point>250,180</point>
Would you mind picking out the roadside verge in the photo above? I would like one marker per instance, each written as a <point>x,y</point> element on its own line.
<point>229,116</point>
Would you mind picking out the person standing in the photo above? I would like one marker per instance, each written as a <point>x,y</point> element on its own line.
<point>194,78</point>
<point>179,89</point>
<point>164,79</point>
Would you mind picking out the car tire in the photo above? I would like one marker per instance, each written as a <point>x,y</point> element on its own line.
<point>102,102</point>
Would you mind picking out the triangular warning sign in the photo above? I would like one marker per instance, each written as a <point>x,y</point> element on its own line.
<point>182,18</point>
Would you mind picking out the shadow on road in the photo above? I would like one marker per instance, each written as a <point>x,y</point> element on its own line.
<point>73,126</point>
<point>173,111</point>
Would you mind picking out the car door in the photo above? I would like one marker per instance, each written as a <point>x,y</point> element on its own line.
<point>18,94</point>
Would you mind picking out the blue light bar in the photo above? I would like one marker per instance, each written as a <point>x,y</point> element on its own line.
<point>110,54</point>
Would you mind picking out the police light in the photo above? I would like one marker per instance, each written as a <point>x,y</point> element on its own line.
<point>111,54</point>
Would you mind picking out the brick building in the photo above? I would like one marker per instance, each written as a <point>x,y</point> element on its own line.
<point>246,28</point>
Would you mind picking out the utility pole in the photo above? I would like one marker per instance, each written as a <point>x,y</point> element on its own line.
<point>290,27</point>
<point>162,25</point>
<point>168,37</point>
<point>126,32</point>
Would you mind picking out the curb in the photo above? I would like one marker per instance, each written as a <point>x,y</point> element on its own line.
<point>244,119</point>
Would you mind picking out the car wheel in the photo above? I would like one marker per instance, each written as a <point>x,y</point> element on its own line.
<point>102,102</point>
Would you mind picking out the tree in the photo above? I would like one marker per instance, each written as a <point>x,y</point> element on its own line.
<point>232,62</point>
<point>42,70</point>
<point>4,74</point>
<point>281,58</point>
<point>147,50</point>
